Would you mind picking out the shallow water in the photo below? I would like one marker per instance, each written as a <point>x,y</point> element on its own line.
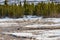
<point>9,24</point>
<point>38,34</point>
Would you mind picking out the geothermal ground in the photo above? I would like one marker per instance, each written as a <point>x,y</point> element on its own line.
<point>30,29</point>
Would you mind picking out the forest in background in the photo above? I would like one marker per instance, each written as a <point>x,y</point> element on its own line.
<point>41,9</point>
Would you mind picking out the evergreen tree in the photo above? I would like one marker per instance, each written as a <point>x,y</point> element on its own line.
<point>6,2</point>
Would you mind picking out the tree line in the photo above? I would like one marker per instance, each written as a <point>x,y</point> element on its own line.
<point>40,9</point>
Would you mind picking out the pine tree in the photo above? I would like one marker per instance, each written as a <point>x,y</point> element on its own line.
<point>6,2</point>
